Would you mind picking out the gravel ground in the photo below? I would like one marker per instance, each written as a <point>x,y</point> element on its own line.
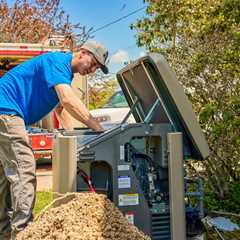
<point>88,216</point>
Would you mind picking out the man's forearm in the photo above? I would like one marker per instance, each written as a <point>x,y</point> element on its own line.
<point>78,110</point>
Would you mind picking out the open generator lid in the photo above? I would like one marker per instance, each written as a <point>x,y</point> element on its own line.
<point>155,96</point>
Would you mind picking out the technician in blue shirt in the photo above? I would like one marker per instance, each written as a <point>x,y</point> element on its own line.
<point>29,92</point>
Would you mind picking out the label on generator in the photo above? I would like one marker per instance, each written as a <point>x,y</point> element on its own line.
<point>122,155</point>
<point>130,217</point>
<point>124,182</point>
<point>130,199</point>
<point>123,167</point>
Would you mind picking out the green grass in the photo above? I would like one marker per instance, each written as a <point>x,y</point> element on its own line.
<point>42,200</point>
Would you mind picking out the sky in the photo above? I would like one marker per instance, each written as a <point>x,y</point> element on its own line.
<point>118,37</point>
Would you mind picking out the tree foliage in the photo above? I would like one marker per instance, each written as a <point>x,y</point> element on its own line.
<point>100,90</point>
<point>201,40</point>
<point>33,21</point>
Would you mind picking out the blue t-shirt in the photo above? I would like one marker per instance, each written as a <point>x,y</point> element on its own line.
<point>28,89</point>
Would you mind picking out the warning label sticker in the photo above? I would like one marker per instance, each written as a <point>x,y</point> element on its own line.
<point>130,199</point>
<point>123,167</point>
<point>124,182</point>
<point>130,217</point>
<point>122,155</point>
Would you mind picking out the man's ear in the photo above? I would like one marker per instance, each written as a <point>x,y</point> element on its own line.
<point>82,51</point>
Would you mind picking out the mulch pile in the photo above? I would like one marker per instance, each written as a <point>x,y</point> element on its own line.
<point>88,216</point>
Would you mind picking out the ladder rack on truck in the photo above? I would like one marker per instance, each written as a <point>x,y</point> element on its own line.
<point>12,54</point>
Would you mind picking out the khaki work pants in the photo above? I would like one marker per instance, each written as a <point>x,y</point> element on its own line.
<point>17,177</point>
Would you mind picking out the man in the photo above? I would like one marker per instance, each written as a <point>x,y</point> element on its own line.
<point>28,92</point>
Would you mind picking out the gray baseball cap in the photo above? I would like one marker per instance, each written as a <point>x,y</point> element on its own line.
<point>99,52</point>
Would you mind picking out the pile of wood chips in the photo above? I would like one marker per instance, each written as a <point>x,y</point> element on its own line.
<point>88,216</point>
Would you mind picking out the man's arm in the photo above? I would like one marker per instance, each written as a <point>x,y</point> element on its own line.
<point>75,107</point>
<point>63,117</point>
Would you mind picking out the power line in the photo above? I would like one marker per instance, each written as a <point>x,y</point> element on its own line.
<point>117,20</point>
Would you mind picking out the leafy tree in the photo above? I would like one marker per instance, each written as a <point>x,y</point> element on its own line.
<point>101,88</point>
<point>33,21</point>
<point>201,40</point>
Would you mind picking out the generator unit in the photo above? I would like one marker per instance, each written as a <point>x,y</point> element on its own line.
<point>139,166</point>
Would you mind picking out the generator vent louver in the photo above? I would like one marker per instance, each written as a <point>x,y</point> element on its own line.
<point>161,227</point>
